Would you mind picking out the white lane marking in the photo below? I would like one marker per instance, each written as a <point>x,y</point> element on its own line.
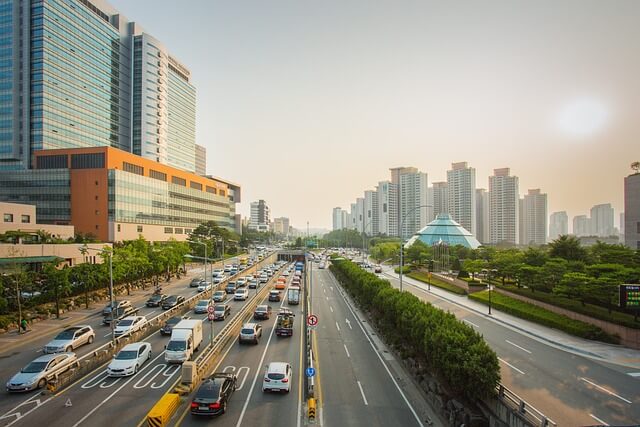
<point>605,390</point>
<point>102,380</point>
<point>471,323</point>
<point>510,365</point>
<point>362,393</point>
<point>634,374</point>
<point>598,420</point>
<point>324,290</point>
<point>108,335</point>
<point>516,345</point>
<point>348,323</point>
<point>331,308</point>
<point>337,326</point>
<point>345,349</point>
<point>150,313</point>
<point>99,405</point>
<point>167,370</point>
<point>386,368</point>
<point>33,399</point>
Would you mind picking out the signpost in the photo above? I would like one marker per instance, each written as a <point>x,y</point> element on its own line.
<point>629,298</point>
<point>210,317</point>
<point>312,320</point>
<point>210,309</point>
<point>310,372</point>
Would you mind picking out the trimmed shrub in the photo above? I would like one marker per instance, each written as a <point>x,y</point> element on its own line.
<point>423,277</point>
<point>544,317</point>
<point>405,269</point>
<point>451,350</point>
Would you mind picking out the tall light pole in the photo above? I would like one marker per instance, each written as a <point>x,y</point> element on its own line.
<point>109,252</point>
<point>402,238</point>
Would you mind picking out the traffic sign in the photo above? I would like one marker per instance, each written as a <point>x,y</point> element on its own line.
<point>210,310</point>
<point>210,316</point>
<point>312,320</point>
<point>310,372</point>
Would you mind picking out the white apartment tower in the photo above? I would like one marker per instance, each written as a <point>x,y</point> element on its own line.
<point>260,216</point>
<point>558,225</point>
<point>387,208</point>
<point>461,180</point>
<point>632,210</point>
<point>534,218</point>
<point>413,194</point>
<point>482,215</point>
<point>602,220</point>
<point>396,173</point>
<point>338,219</point>
<point>440,198</point>
<point>504,206</point>
<point>371,219</point>
<point>581,225</point>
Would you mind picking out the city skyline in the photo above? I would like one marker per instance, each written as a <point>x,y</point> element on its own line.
<point>393,84</point>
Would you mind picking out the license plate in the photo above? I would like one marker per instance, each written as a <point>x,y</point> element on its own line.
<point>204,408</point>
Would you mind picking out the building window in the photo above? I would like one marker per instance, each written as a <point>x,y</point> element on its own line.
<point>26,219</point>
<point>158,175</point>
<point>139,229</point>
<point>58,161</point>
<point>129,167</point>
<point>178,231</point>
<point>8,217</point>
<point>196,185</point>
<point>168,230</point>
<point>179,181</point>
<point>187,231</point>
<point>119,228</point>
<point>223,193</point>
<point>211,190</point>
<point>87,161</point>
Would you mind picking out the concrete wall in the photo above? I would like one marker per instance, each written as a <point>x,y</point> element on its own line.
<point>17,210</point>
<point>70,252</point>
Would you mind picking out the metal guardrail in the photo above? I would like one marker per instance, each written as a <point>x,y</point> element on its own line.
<point>531,414</point>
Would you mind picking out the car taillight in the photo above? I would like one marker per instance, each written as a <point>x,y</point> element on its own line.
<point>286,380</point>
<point>214,406</point>
<point>267,380</point>
<point>194,405</point>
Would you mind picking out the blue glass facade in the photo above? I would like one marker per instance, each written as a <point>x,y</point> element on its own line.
<point>182,121</point>
<point>7,82</point>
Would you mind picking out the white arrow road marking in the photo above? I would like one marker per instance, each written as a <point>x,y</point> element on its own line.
<point>348,323</point>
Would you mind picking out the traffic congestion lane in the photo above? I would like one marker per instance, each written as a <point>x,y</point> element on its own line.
<point>355,380</point>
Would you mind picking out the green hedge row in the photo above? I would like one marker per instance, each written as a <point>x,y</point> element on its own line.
<point>450,350</point>
<point>423,277</point>
<point>594,311</point>
<point>405,269</point>
<point>544,317</point>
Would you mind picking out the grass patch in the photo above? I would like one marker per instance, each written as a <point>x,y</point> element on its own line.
<point>423,277</point>
<point>544,317</point>
<point>406,269</point>
<point>595,311</point>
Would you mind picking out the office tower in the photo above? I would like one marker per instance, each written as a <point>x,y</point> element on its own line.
<point>201,160</point>
<point>581,226</point>
<point>534,218</point>
<point>413,201</point>
<point>558,225</point>
<point>359,219</point>
<point>371,214</point>
<point>345,219</point>
<point>461,181</point>
<point>632,210</point>
<point>353,216</point>
<point>281,226</point>
<point>387,208</point>
<point>504,207</point>
<point>440,198</point>
<point>83,76</point>
<point>482,215</point>
<point>396,173</point>
<point>338,219</point>
<point>602,220</point>
<point>260,216</point>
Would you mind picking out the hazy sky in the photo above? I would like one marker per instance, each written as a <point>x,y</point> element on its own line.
<point>306,104</point>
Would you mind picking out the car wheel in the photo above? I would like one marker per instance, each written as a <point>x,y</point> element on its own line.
<point>135,370</point>
<point>42,383</point>
<point>90,340</point>
<point>224,407</point>
<point>149,358</point>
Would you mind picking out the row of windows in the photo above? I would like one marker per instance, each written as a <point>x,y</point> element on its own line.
<point>25,219</point>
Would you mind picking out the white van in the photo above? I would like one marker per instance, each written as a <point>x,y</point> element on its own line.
<point>277,377</point>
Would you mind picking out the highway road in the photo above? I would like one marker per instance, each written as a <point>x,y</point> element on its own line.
<point>569,388</point>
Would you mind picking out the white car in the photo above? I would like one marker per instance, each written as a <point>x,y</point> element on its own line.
<point>277,377</point>
<point>129,359</point>
<point>204,286</point>
<point>285,273</point>
<point>70,339</point>
<point>241,282</point>
<point>38,372</point>
<point>129,325</point>
<point>219,279</point>
<point>241,294</point>
<point>264,278</point>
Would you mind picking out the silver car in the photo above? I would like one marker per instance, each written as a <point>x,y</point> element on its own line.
<point>44,368</point>
<point>70,339</point>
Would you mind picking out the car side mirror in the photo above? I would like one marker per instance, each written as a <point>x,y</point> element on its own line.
<point>165,347</point>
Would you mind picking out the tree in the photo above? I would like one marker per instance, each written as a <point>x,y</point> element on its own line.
<point>507,263</point>
<point>604,253</point>
<point>56,282</point>
<point>386,250</point>
<point>535,257</point>
<point>299,242</point>
<point>567,247</point>
<point>417,252</point>
<point>575,286</point>
<point>552,272</point>
<point>474,266</point>
<point>530,276</point>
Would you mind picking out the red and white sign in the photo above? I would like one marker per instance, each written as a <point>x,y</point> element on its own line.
<point>312,320</point>
<point>210,309</point>
<point>210,316</point>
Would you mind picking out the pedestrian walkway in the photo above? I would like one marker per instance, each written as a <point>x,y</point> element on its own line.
<point>618,355</point>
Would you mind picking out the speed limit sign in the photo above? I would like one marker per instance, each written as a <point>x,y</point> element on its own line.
<point>211,316</point>
<point>210,310</point>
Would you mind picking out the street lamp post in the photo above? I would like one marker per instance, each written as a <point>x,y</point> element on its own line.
<point>402,239</point>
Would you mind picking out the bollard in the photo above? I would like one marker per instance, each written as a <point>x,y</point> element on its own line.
<point>311,409</point>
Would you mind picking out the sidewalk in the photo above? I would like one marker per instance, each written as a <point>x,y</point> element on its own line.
<point>11,339</point>
<point>614,354</point>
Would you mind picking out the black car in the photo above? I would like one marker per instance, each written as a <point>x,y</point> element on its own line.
<point>274,295</point>
<point>172,301</point>
<point>156,300</point>
<point>119,314</point>
<point>262,312</point>
<point>231,288</point>
<point>170,323</point>
<point>195,282</point>
<point>213,395</point>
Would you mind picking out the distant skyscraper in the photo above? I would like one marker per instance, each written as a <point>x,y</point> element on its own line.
<point>504,207</point>
<point>482,215</point>
<point>632,211</point>
<point>338,219</point>
<point>413,194</point>
<point>371,214</point>
<point>360,214</point>
<point>534,218</point>
<point>602,220</point>
<point>461,181</point>
<point>558,225</point>
<point>440,198</point>
<point>581,226</point>
<point>281,226</point>
<point>396,173</point>
<point>353,216</point>
<point>260,216</point>
<point>622,227</point>
<point>387,208</point>
<point>201,160</point>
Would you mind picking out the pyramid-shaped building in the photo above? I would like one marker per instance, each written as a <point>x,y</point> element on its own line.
<point>445,230</point>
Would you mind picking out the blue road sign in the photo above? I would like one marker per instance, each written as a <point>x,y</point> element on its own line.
<point>310,372</point>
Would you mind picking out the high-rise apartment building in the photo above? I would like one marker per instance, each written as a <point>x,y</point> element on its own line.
<point>413,200</point>
<point>339,219</point>
<point>581,225</point>
<point>396,173</point>
<point>558,225</point>
<point>534,218</point>
<point>359,218</point>
<point>504,207</point>
<point>260,216</point>
<point>387,208</point>
<point>201,160</point>
<point>371,214</point>
<point>461,180</point>
<point>352,218</point>
<point>281,226</point>
<point>440,198</point>
<point>602,220</point>
<point>482,215</point>
<point>632,210</point>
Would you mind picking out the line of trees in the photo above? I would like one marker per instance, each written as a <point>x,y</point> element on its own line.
<point>450,350</point>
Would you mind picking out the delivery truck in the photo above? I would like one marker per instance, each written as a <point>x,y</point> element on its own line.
<point>284,323</point>
<point>293,295</point>
<point>186,337</point>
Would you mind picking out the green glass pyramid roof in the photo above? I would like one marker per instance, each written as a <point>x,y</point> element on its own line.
<point>445,230</point>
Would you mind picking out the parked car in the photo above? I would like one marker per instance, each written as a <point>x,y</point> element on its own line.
<point>213,394</point>
<point>195,282</point>
<point>250,332</point>
<point>129,325</point>
<point>172,301</point>
<point>262,312</point>
<point>241,294</point>
<point>70,339</point>
<point>201,306</point>
<point>277,377</point>
<point>219,296</point>
<point>204,286</point>
<point>156,300</point>
<point>220,311</point>
<point>170,323</point>
<point>39,371</point>
<point>129,359</point>
<point>274,295</point>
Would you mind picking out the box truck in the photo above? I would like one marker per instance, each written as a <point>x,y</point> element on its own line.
<point>186,337</point>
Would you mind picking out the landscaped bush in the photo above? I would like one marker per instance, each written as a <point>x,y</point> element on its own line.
<point>423,277</point>
<point>451,351</point>
<point>544,317</point>
<point>405,269</point>
<point>594,311</point>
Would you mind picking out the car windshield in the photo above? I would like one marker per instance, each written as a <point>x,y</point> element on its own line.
<point>65,335</point>
<point>247,331</point>
<point>170,299</point>
<point>127,322</point>
<point>34,367</point>
<point>275,376</point>
<point>261,308</point>
<point>177,345</point>
<point>173,321</point>
<point>202,303</point>
<point>210,389</point>
<point>219,308</point>
<point>127,355</point>
<point>218,294</point>
<point>155,298</point>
